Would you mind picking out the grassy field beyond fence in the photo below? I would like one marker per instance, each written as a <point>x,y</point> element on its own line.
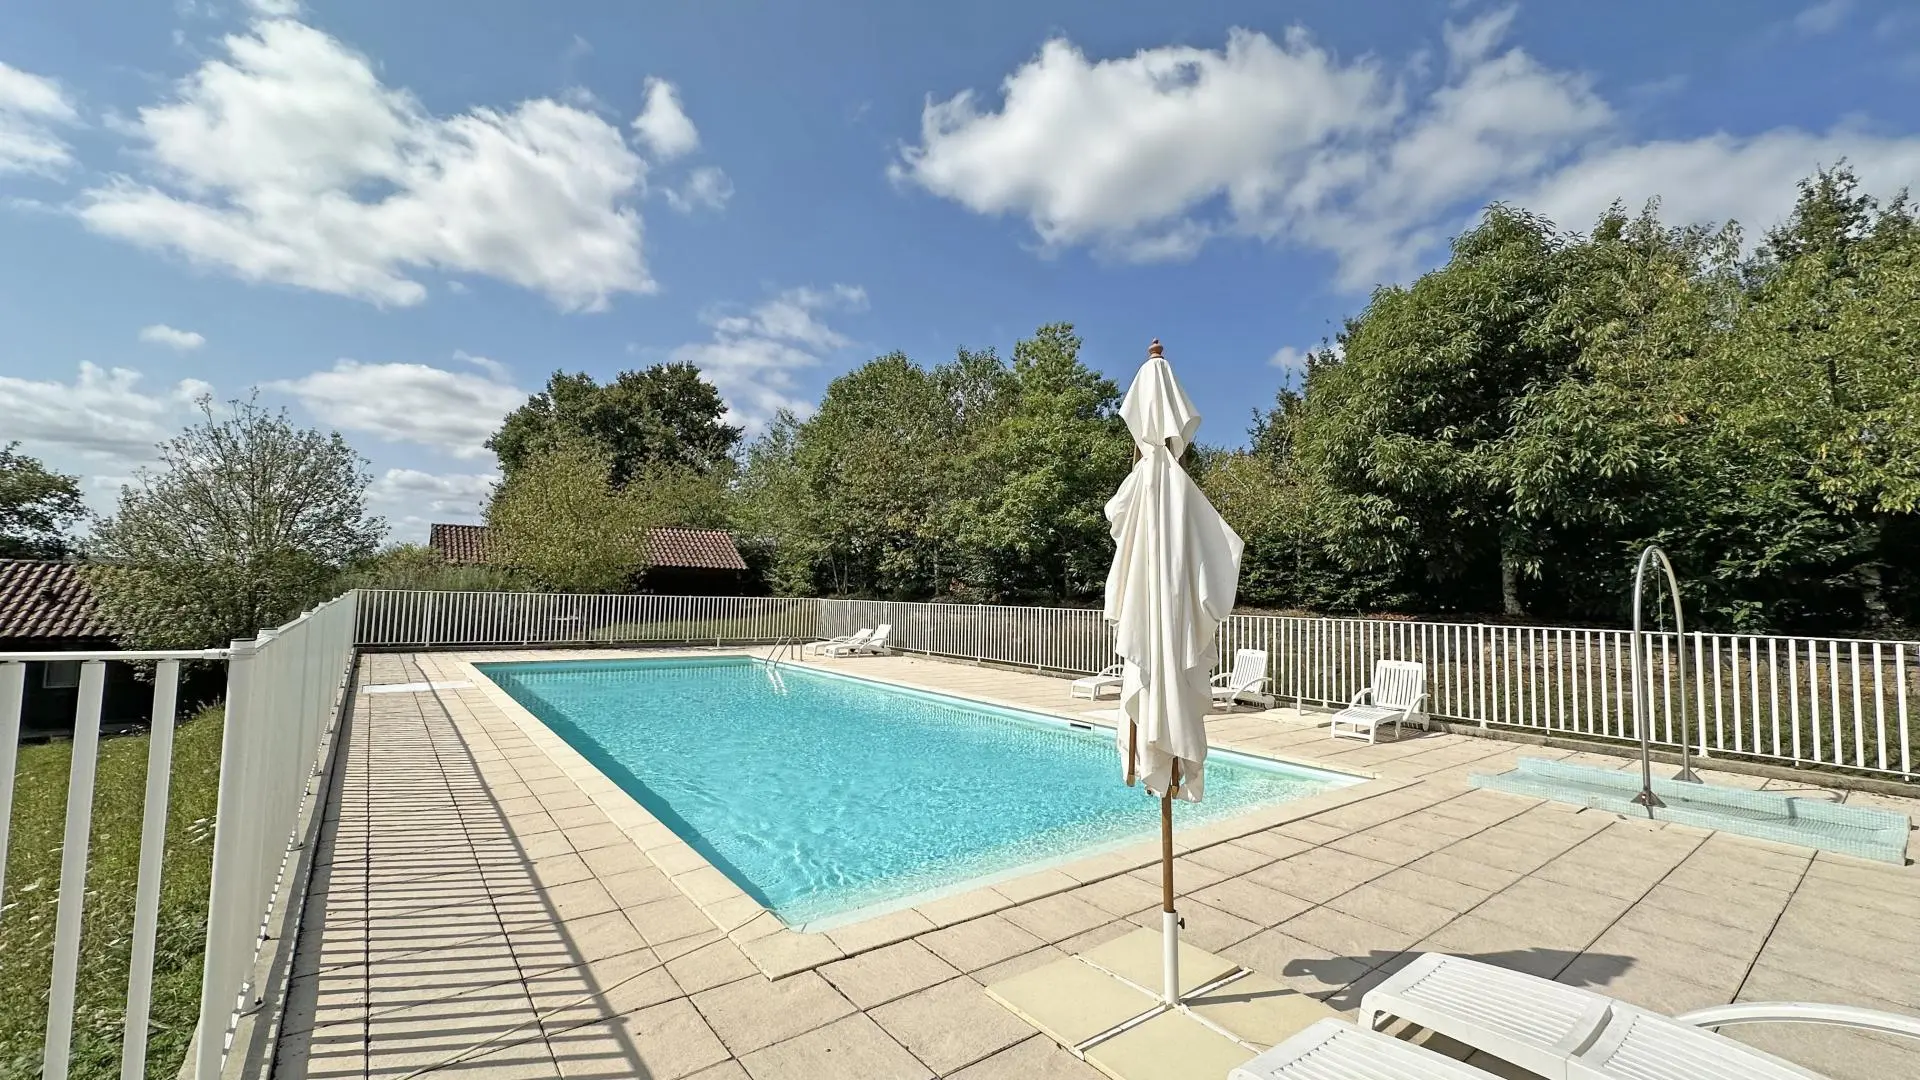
<point>113,863</point>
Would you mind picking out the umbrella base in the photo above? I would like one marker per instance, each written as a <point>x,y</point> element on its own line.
<point>1098,1007</point>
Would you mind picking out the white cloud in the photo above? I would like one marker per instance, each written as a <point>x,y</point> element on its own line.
<point>1720,177</point>
<point>754,357</point>
<point>180,340</point>
<point>663,125</point>
<point>276,9</point>
<point>412,500</point>
<point>1154,155</point>
<point>102,426</point>
<point>1289,358</point>
<point>707,186</point>
<point>288,160</point>
<point>1822,18</point>
<point>32,108</point>
<point>451,411</point>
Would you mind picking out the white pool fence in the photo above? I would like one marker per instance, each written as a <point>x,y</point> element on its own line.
<point>283,694</point>
<point>1837,702</point>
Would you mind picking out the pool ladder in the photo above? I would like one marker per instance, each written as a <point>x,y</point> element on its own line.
<point>780,647</point>
<point>1643,694</point>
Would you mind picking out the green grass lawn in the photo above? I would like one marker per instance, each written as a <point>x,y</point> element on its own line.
<point>113,863</point>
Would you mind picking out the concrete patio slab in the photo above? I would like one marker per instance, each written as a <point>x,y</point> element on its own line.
<point>464,873</point>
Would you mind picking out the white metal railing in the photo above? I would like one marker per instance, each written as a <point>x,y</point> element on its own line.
<point>414,617</point>
<point>1838,702</point>
<point>282,694</point>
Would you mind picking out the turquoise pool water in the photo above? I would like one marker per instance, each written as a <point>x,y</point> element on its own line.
<point>820,795</point>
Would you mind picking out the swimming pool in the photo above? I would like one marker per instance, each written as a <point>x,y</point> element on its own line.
<point>821,794</point>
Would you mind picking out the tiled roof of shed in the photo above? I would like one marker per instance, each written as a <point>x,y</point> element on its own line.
<point>685,549</point>
<point>44,599</point>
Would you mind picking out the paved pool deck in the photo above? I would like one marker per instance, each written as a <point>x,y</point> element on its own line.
<point>480,907</point>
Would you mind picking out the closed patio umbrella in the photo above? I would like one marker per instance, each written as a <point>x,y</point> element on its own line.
<point>1176,566</point>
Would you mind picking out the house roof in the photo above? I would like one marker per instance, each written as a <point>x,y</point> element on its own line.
<point>44,599</point>
<point>693,549</point>
<point>460,543</point>
<point>685,549</point>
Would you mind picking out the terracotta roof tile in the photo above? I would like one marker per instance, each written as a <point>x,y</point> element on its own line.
<point>688,549</point>
<point>43,599</point>
<point>460,543</point>
<point>696,549</point>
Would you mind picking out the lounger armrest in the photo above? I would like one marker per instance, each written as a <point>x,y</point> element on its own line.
<point>1362,696</point>
<point>1215,681</point>
<point>1803,1012</point>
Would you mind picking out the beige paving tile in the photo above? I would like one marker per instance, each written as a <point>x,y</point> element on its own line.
<point>713,964</point>
<point>980,943</point>
<point>664,1042</point>
<point>1259,1010</point>
<point>1229,858</point>
<point>879,930</point>
<point>786,952</point>
<point>1171,1046</point>
<point>1253,902</point>
<point>1139,959</point>
<point>951,1025</point>
<point>1025,962</point>
<point>754,1012</point>
<point>1122,895</point>
<point>1056,918</point>
<point>1032,886</point>
<point>961,907</point>
<point>1297,965</point>
<point>1070,1000</point>
<point>634,887</point>
<point>854,1046</point>
<point>1346,935</point>
<point>1038,1058</point>
<point>877,977</point>
<point>665,920</point>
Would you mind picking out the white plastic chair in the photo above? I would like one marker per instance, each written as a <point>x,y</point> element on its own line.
<point>872,646</point>
<point>1566,1033</point>
<point>1333,1049</point>
<point>1249,676</point>
<point>1398,692</point>
<point>1091,686</point>
<point>857,637</point>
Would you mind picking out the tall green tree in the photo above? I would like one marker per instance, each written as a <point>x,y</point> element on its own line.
<point>1031,526</point>
<point>247,521</point>
<point>558,521</point>
<point>38,507</point>
<point>662,416</point>
<point>1407,430</point>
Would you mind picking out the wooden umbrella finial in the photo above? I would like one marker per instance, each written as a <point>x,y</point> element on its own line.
<point>1154,349</point>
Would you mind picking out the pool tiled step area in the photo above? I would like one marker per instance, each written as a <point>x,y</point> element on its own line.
<point>1806,819</point>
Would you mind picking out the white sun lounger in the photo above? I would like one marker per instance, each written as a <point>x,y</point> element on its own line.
<point>872,646</point>
<point>1091,686</point>
<point>857,637</point>
<point>1336,1050</point>
<point>1248,678</point>
<point>1566,1033</point>
<point>1399,690</point>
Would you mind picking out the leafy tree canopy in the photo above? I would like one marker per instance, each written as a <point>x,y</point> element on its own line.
<point>247,521</point>
<point>37,507</point>
<point>664,415</point>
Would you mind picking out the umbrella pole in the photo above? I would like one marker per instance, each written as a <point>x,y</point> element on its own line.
<point>1169,921</point>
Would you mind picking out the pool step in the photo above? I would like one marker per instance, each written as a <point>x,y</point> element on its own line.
<point>1808,821</point>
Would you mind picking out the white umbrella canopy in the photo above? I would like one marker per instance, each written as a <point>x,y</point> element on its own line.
<point>1176,568</point>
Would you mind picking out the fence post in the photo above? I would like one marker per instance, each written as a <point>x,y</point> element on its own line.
<point>226,922</point>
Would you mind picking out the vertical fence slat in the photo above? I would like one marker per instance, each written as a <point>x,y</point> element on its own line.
<point>13,692</point>
<point>153,846</point>
<point>73,872</point>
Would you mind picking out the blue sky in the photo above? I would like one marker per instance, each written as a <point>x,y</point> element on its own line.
<point>397,219</point>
